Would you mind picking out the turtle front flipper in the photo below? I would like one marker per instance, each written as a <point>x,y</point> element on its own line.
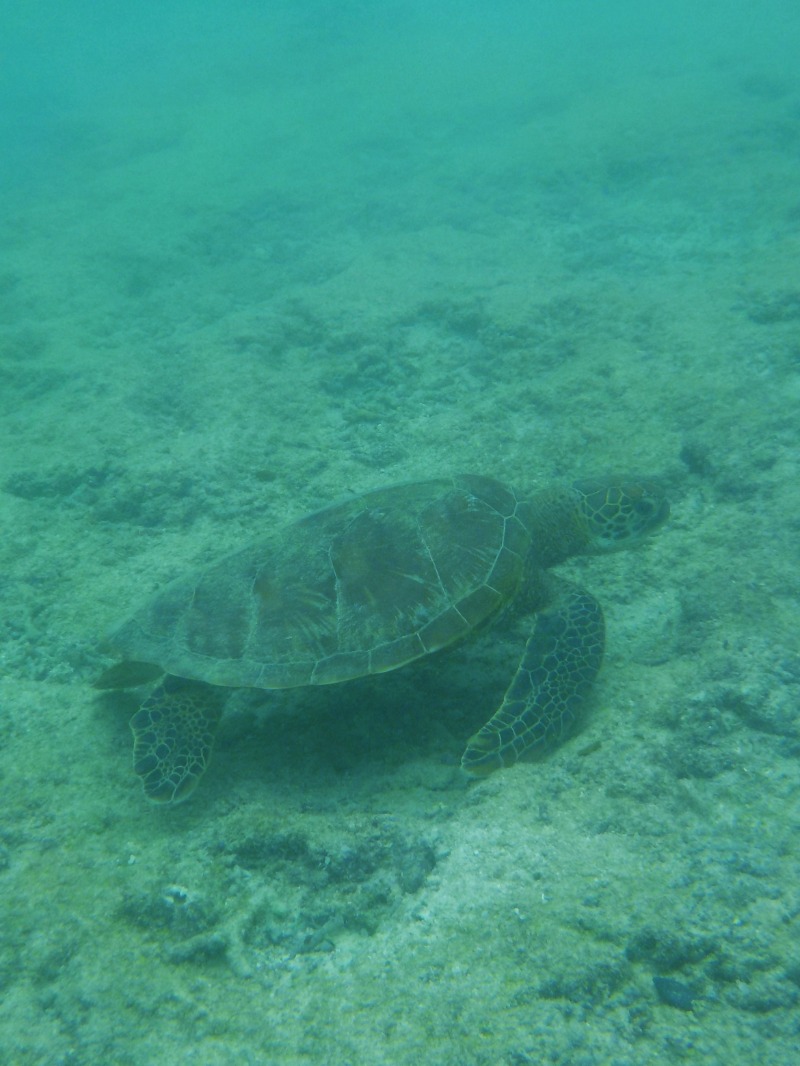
<point>173,734</point>
<point>559,664</point>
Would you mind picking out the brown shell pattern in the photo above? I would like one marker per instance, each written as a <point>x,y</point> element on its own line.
<point>359,588</point>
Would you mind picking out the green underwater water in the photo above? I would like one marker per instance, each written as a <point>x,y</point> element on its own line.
<point>253,261</point>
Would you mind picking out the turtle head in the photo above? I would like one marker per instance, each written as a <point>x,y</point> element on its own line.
<point>619,512</point>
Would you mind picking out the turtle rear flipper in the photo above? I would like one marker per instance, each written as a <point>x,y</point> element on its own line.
<point>559,664</point>
<point>173,734</point>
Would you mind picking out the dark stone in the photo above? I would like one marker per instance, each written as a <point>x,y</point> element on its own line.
<point>674,993</point>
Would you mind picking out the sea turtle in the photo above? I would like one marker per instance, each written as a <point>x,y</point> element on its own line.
<point>372,583</point>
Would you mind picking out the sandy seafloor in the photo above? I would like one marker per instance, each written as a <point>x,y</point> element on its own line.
<point>251,264</point>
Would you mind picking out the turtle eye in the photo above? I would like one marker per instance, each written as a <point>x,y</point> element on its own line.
<point>651,509</point>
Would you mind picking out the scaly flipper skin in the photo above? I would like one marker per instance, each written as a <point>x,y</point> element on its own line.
<point>173,734</point>
<point>559,664</point>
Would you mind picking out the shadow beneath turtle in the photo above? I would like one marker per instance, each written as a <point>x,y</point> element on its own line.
<point>370,726</point>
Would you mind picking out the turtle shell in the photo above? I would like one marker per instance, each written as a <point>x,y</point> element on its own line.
<point>359,588</point>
